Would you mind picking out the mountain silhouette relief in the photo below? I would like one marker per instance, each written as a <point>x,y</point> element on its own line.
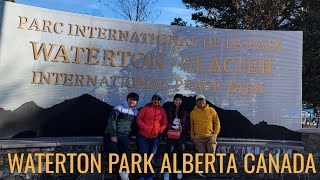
<point>235,125</point>
<point>87,116</point>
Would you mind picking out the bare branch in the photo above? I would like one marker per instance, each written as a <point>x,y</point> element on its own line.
<point>134,10</point>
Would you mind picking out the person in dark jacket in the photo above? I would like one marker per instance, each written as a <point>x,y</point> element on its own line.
<point>152,121</point>
<point>178,120</point>
<point>116,138</point>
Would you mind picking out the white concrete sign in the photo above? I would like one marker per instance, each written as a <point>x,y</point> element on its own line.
<point>49,56</point>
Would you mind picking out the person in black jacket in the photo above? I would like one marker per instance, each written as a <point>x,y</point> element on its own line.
<point>178,120</point>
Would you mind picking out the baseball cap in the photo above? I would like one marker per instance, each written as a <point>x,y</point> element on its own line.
<point>200,96</point>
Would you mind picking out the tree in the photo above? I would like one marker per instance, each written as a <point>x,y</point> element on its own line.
<point>309,23</point>
<point>242,14</point>
<point>134,10</point>
<point>179,22</point>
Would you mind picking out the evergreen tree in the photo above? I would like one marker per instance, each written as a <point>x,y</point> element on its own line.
<point>309,23</point>
<point>179,22</point>
<point>242,14</point>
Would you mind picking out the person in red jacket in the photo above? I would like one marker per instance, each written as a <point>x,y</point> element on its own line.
<point>152,122</point>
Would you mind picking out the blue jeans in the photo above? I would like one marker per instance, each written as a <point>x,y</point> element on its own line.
<point>149,146</point>
<point>121,147</point>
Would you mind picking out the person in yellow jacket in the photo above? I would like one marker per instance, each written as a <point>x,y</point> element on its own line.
<point>205,127</point>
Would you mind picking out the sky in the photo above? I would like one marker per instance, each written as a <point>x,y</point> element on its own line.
<point>169,9</point>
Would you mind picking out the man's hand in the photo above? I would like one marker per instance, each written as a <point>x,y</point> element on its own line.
<point>114,139</point>
<point>214,136</point>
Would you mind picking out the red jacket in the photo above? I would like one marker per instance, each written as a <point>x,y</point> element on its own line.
<point>152,121</point>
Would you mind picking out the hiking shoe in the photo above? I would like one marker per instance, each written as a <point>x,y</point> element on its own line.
<point>166,176</point>
<point>203,175</point>
<point>124,175</point>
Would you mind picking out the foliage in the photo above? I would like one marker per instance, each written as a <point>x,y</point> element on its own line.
<point>179,22</point>
<point>242,14</point>
<point>308,21</point>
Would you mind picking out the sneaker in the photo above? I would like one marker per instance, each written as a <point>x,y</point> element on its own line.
<point>166,176</point>
<point>202,175</point>
<point>124,175</point>
<point>179,176</point>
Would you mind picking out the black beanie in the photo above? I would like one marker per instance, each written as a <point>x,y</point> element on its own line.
<point>178,96</point>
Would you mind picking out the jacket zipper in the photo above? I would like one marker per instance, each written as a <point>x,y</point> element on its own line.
<point>125,117</point>
<point>128,119</point>
<point>154,119</point>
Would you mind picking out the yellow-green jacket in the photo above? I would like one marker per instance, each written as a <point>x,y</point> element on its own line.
<point>204,122</point>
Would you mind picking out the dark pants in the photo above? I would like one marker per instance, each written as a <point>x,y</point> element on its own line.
<point>149,146</point>
<point>176,146</point>
<point>121,147</point>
